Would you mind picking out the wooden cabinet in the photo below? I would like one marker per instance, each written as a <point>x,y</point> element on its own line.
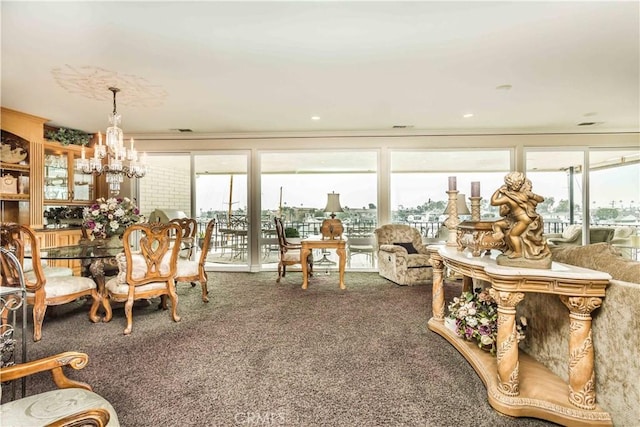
<point>47,175</point>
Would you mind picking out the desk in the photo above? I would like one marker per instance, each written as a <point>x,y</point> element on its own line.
<point>517,384</point>
<point>316,242</point>
<point>93,255</point>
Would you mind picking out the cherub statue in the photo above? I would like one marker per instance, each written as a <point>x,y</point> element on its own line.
<point>520,225</point>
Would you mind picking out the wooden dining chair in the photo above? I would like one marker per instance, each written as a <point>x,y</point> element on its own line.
<point>289,252</point>
<point>193,270</point>
<point>44,291</point>
<point>148,272</point>
<point>188,231</point>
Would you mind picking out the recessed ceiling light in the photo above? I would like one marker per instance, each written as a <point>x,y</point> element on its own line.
<point>402,126</point>
<point>586,124</point>
<point>504,87</point>
<point>466,116</point>
<point>315,117</point>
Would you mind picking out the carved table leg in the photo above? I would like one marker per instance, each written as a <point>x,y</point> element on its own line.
<point>96,268</point>
<point>581,354</point>
<point>507,343</point>
<point>342,256</point>
<point>437,290</point>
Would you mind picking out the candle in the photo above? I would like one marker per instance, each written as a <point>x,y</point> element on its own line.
<point>131,146</point>
<point>452,183</point>
<point>99,138</point>
<point>82,152</point>
<point>475,189</point>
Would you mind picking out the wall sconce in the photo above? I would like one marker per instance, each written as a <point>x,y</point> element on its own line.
<point>332,228</point>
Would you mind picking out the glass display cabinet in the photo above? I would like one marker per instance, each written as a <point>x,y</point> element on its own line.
<point>62,180</point>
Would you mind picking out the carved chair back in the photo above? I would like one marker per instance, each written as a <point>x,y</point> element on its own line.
<point>188,231</point>
<point>156,260</point>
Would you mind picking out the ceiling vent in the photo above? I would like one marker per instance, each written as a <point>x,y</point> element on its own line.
<point>586,124</point>
<point>181,130</point>
<point>402,126</point>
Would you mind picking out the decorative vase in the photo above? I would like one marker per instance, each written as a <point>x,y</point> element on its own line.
<point>114,241</point>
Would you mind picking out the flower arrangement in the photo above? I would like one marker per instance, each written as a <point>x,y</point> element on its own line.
<point>476,319</point>
<point>109,217</point>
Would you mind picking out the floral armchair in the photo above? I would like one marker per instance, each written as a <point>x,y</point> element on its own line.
<point>402,258</point>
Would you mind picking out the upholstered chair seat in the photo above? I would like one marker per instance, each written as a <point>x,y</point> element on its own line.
<point>59,286</point>
<point>402,257</point>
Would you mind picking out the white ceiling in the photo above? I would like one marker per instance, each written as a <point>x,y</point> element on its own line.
<point>243,67</point>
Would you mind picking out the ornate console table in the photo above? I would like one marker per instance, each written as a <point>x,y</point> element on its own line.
<point>516,383</point>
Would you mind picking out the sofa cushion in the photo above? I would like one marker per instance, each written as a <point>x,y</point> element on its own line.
<point>408,246</point>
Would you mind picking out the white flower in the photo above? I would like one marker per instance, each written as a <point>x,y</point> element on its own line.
<point>119,212</point>
<point>96,212</point>
<point>523,321</point>
<point>472,321</point>
<point>486,340</point>
<point>472,311</point>
<point>114,225</point>
<point>484,321</point>
<point>462,313</point>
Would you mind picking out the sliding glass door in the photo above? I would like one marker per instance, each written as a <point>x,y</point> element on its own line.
<point>221,193</point>
<point>295,187</point>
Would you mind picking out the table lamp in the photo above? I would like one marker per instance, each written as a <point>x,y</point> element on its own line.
<point>332,228</point>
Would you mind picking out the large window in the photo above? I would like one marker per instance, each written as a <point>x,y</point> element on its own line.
<point>419,181</point>
<point>295,186</point>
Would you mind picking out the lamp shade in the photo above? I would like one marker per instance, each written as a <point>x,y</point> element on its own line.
<point>333,203</point>
<point>462,206</point>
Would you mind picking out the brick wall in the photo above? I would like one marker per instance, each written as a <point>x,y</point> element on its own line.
<point>164,188</point>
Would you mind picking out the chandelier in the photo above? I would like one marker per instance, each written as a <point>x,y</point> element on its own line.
<point>121,161</point>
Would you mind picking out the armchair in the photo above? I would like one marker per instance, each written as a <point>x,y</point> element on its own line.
<point>402,258</point>
<point>72,404</point>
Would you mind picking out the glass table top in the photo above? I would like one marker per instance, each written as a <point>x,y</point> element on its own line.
<point>87,251</point>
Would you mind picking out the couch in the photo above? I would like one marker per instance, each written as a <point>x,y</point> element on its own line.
<point>615,329</point>
<point>572,235</point>
<point>402,257</point>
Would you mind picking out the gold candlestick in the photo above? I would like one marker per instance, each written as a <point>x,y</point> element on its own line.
<point>453,220</point>
<point>475,208</point>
